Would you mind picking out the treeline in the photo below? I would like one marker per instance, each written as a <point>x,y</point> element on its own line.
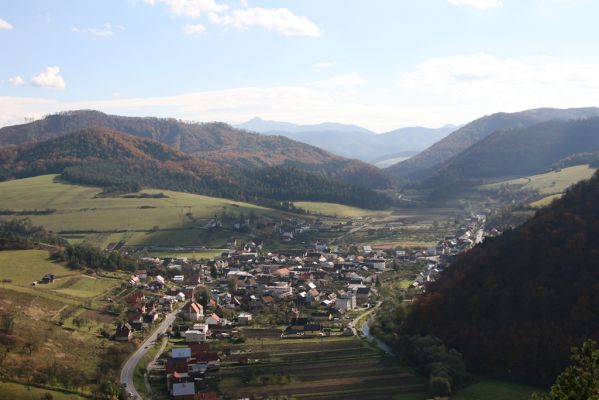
<point>85,256</point>
<point>20,234</point>
<point>515,305</point>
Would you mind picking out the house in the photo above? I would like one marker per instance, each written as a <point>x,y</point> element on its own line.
<point>183,389</point>
<point>362,293</point>
<point>287,236</point>
<point>133,281</point>
<point>48,278</point>
<point>244,319</point>
<point>123,333</point>
<point>194,279</point>
<point>179,278</point>
<point>321,316</point>
<point>135,319</point>
<point>192,311</point>
<point>142,274</point>
<point>345,302</point>
<point>181,352</point>
<point>135,298</point>
<point>198,334</point>
<point>159,280</point>
<point>367,249</point>
<point>214,320</point>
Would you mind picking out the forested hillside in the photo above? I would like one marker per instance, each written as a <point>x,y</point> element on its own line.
<point>217,142</point>
<point>121,162</point>
<point>428,161</point>
<point>523,151</point>
<point>517,303</point>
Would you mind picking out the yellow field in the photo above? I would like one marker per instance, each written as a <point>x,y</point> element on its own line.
<point>338,210</point>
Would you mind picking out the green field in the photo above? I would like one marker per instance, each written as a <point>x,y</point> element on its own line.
<point>550,182</point>
<point>545,201</point>
<point>25,266</point>
<point>176,218</point>
<point>338,210</point>
<point>23,392</point>
<point>491,389</point>
<point>20,268</point>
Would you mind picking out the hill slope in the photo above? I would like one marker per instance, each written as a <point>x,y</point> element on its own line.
<point>216,142</point>
<point>429,160</point>
<point>118,161</point>
<point>353,141</point>
<point>522,151</point>
<point>516,304</point>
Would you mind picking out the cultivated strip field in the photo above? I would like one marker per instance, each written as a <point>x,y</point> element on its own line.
<point>328,368</point>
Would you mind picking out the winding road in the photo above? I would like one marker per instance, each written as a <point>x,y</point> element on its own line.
<point>129,367</point>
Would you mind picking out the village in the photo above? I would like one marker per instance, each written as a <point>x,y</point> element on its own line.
<point>248,295</point>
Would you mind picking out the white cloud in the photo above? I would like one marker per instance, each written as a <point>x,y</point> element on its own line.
<point>5,25</point>
<point>104,31</point>
<point>279,20</point>
<point>190,8</point>
<point>352,79</point>
<point>488,84</point>
<point>478,4</point>
<point>49,79</point>
<point>325,64</point>
<point>194,29</point>
<point>16,81</point>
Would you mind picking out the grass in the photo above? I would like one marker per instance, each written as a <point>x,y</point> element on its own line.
<point>545,201</point>
<point>338,210</point>
<point>22,267</point>
<point>82,208</point>
<point>491,389</point>
<point>550,182</point>
<point>86,287</point>
<point>24,392</point>
<point>25,266</point>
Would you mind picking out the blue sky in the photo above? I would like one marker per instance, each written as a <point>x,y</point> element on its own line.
<point>382,64</point>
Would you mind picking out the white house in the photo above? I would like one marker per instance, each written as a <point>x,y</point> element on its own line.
<point>198,334</point>
<point>244,319</point>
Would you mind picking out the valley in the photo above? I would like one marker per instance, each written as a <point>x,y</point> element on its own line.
<point>264,275</point>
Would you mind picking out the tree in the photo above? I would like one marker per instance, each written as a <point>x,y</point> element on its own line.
<point>580,381</point>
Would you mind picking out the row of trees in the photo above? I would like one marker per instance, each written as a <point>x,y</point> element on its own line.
<point>22,234</point>
<point>82,255</point>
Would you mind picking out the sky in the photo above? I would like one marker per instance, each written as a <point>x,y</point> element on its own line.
<point>380,64</point>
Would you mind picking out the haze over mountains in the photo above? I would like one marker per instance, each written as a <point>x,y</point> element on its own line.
<point>430,160</point>
<point>353,141</point>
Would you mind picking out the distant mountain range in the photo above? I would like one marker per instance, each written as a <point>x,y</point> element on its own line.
<point>216,142</point>
<point>433,158</point>
<point>120,162</point>
<point>516,304</point>
<point>353,141</point>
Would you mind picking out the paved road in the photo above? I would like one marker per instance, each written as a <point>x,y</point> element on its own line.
<point>352,324</point>
<point>129,367</point>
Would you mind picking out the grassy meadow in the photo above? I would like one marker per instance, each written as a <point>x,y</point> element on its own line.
<point>550,183</point>
<point>86,214</point>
